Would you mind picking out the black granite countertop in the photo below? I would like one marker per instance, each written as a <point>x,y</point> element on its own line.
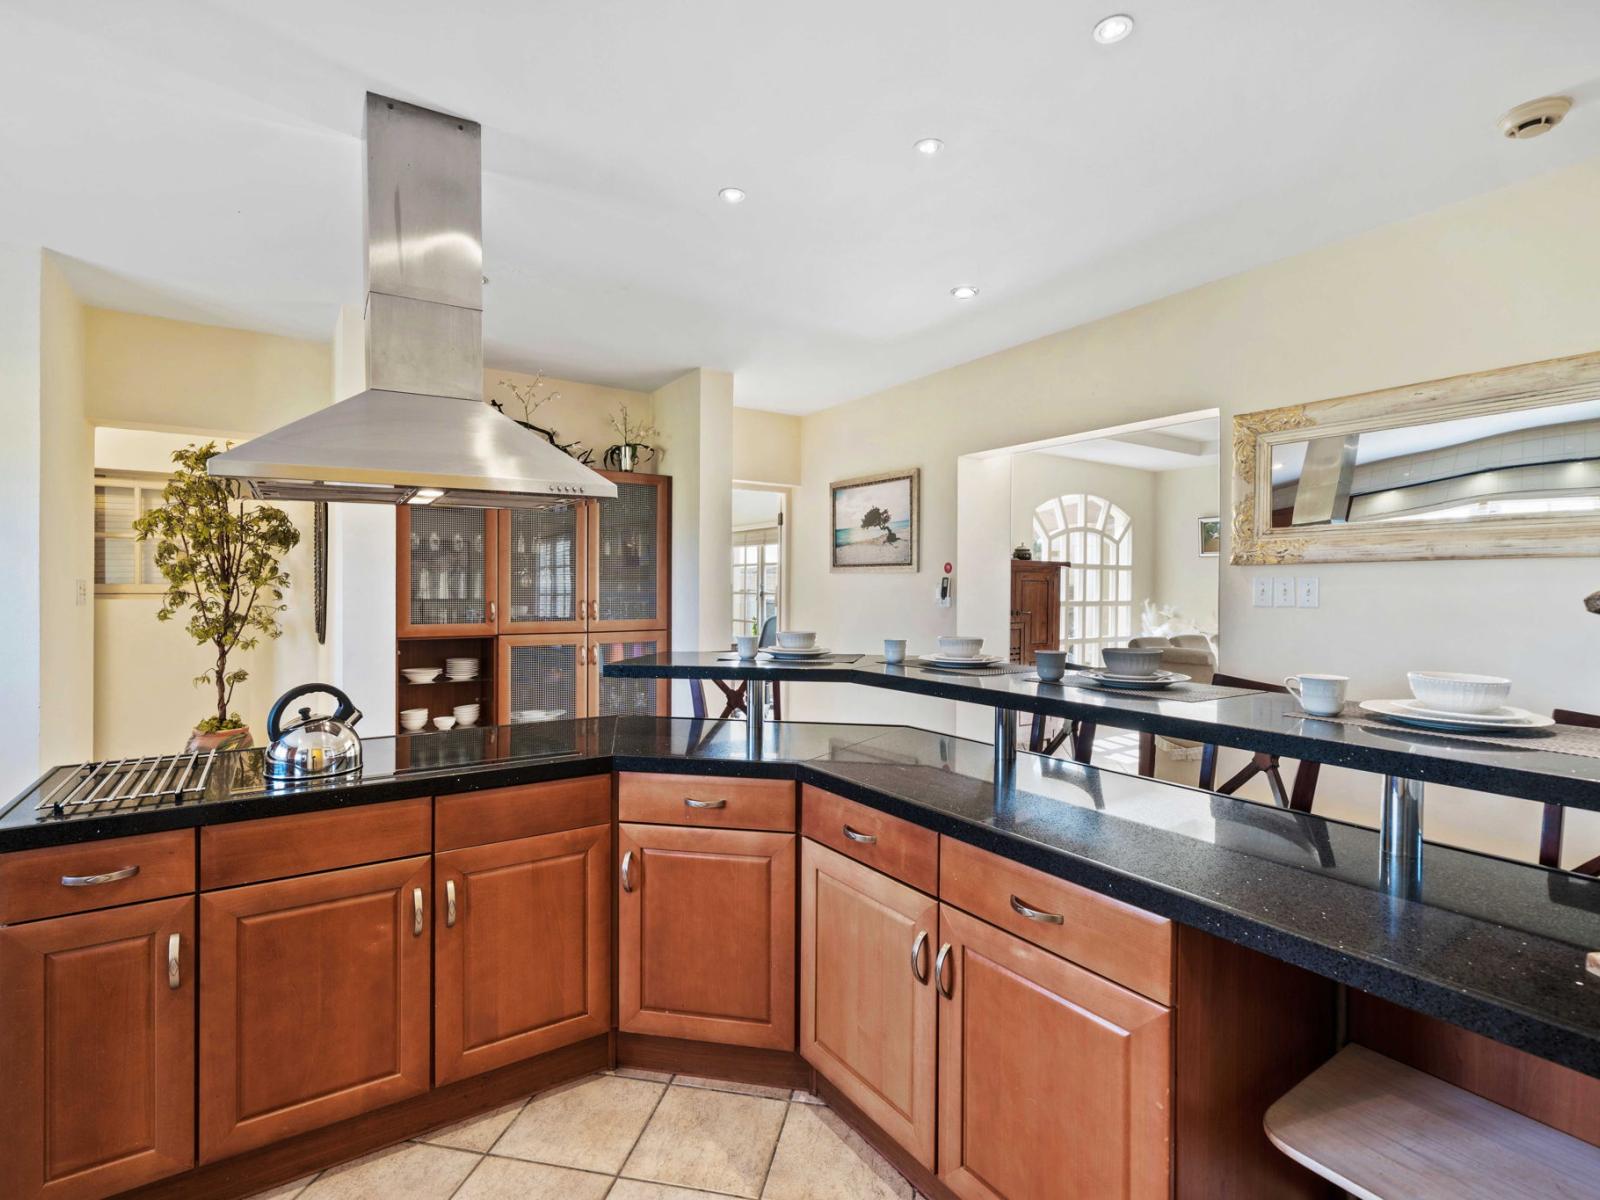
<point>1261,721</point>
<point>1495,946</point>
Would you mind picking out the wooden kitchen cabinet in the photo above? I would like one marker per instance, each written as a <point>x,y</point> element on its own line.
<point>314,1001</point>
<point>628,697</point>
<point>630,555</point>
<point>1054,1083</point>
<point>522,949</point>
<point>447,573</point>
<point>97,1021</point>
<point>868,1009</point>
<point>542,677</point>
<point>544,570</point>
<point>706,934</point>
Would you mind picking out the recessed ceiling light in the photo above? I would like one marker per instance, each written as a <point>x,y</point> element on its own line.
<point>1113,29</point>
<point>731,195</point>
<point>965,292</point>
<point>929,146</point>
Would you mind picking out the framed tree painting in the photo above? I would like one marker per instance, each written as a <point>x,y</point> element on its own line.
<point>875,522</point>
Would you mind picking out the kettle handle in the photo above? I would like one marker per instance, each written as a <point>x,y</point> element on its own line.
<point>347,712</point>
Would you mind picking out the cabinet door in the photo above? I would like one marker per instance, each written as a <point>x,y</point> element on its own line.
<point>446,582</point>
<point>867,1004</point>
<point>630,555</point>
<point>706,934</point>
<point>628,697</point>
<point>522,949</point>
<point>542,677</point>
<point>314,1005</point>
<point>544,579</point>
<point>97,1047</point>
<point>1054,1083</point>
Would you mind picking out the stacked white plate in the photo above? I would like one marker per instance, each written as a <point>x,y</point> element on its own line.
<point>780,654</point>
<point>1133,683</point>
<point>460,668</point>
<point>961,660</point>
<point>1414,712</point>
<point>466,715</point>
<point>524,715</point>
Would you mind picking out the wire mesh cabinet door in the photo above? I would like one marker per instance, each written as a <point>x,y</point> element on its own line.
<point>544,578</point>
<point>447,582</point>
<point>628,697</point>
<point>543,677</point>
<point>630,555</point>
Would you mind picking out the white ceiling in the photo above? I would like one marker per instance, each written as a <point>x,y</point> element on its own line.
<point>1175,447</point>
<point>201,159</point>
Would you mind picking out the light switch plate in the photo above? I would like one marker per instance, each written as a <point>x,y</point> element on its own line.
<point>1261,591</point>
<point>1307,593</point>
<point>1283,591</point>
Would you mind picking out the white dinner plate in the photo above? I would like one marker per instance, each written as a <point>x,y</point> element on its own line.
<point>1135,683</point>
<point>1399,710</point>
<point>952,660</point>
<point>1504,715</point>
<point>780,652</point>
<point>1151,677</point>
<point>525,715</point>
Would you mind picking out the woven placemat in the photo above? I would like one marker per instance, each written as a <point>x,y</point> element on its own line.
<point>1556,739</point>
<point>1183,693</point>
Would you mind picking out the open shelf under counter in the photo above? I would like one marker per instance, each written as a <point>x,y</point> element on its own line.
<point>1384,1131</point>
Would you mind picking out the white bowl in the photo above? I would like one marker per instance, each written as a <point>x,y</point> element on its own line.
<point>420,674</point>
<point>1132,660</point>
<point>1453,692</point>
<point>961,647</point>
<point>412,721</point>
<point>445,722</point>
<point>796,639</point>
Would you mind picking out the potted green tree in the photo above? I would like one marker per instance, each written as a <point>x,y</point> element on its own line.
<point>221,559</point>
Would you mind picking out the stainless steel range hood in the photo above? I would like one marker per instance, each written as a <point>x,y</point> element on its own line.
<point>421,433</point>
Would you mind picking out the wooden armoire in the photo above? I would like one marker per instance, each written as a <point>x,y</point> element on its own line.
<point>1035,607</point>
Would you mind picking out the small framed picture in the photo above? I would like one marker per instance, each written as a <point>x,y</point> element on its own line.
<point>1210,537</point>
<point>875,522</point>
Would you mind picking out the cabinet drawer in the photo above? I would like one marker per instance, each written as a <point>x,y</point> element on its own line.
<point>1110,938</point>
<point>501,814</point>
<point>278,847</point>
<point>908,852</point>
<point>68,879</point>
<point>707,800</point>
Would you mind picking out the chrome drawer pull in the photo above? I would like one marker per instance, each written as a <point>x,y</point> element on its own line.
<point>95,880</point>
<point>174,975</point>
<point>627,871</point>
<point>1034,914</point>
<point>939,963</point>
<point>449,903</point>
<point>919,957</point>
<point>856,835</point>
<point>416,912</point>
<point>693,803</point>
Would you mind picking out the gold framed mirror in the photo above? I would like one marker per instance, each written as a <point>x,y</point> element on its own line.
<point>1501,464</point>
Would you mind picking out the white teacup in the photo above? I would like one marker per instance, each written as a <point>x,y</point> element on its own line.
<point>1319,695</point>
<point>745,645</point>
<point>1050,665</point>
<point>894,650</point>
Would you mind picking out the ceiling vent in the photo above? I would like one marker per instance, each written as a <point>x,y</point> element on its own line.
<point>1535,117</point>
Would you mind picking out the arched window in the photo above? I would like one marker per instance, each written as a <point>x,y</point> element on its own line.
<point>1096,537</point>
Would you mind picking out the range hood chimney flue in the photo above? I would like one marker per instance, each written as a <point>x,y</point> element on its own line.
<point>420,433</point>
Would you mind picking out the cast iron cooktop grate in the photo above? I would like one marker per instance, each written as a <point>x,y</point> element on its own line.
<point>128,783</point>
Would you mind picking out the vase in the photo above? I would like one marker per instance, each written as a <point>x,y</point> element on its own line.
<point>219,739</point>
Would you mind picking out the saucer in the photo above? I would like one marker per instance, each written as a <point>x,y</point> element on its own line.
<point>1134,683</point>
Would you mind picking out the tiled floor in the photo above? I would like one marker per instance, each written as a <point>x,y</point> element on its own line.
<point>626,1135</point>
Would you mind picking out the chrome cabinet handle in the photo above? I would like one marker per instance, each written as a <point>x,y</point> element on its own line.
<point>416,912</point>
<point>174,974</point>
<point>627,871</point>
<point>855,835</point>
<point>449,903</point>
<point>1034,914</point>
<point>693,803</point>
<point>919,957</point>
<point>939,964</point>
<point>96,880</point>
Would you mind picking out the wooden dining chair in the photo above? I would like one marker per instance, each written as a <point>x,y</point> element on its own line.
<point>1555,814</point>
<point>1078,734</point>
<point>1297,796</point>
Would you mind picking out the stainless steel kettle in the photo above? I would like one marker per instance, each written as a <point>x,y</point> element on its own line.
<point>316,745</point>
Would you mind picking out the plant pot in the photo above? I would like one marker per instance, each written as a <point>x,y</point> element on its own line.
<point>221,739</point>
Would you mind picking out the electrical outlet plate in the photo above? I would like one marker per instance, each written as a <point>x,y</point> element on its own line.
<point>1283,592</point>
<point>1261,591</point>
<point>1307,592</point>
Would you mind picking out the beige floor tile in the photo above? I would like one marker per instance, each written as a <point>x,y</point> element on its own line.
<point>821,1158</point>
<point>285,1191</point>
<point>590,1125</point>
<point>410,1170</point>
<point>638,1189</point>
<point>512,1179</point>
<point>724,1085</point>
<point>475,1133</point>
<point>800,1097</point>
<point>715,1141</point>
<point>636,1073</point>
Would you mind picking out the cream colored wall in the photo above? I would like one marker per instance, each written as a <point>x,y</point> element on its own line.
<point>66,512</point>
<point>766,447</point>
<point>579,411</point>
<point>1504,278</point>
<point>1184,580</point>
